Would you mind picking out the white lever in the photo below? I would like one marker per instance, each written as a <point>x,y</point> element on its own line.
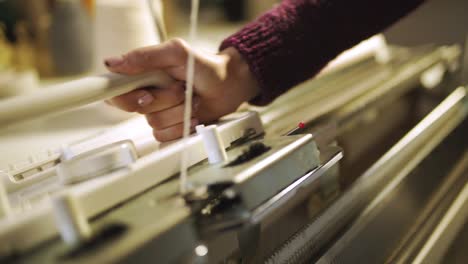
<point>71,222</point>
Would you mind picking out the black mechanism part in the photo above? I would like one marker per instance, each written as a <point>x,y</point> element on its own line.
<point>228,217</point>
<point>249,135</point>
<point>215,210</point>
<point>203,194</point>
<point>211,200</point>
<point>254,150</point>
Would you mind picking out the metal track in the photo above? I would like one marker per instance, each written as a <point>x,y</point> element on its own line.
<point>391,169</point>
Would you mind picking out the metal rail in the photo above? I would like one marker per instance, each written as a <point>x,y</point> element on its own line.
<point>399,161</point>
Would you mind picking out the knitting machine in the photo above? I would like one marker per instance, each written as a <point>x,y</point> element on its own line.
<point>366,163</point>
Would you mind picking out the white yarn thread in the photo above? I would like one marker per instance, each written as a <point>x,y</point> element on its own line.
<point>188,96</point>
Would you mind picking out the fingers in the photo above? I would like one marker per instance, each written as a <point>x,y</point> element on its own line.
<point>169,54</point>
<point>164,109</point>
<point>169,117</point>
<point>132,101</point>
<point>168,124</point>
<point>173,132</point>
<point>150,100</point>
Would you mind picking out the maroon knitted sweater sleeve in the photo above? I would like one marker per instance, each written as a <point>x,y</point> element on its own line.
<point>295,40</point>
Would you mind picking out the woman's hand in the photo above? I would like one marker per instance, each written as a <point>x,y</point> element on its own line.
<point>222,82</point>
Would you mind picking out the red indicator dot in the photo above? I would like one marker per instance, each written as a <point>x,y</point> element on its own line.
<point>301,125</point>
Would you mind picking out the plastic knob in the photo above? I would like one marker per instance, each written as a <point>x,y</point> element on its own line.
<point>214,146</point>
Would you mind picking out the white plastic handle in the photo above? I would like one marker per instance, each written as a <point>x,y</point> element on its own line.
<point>73,94</point>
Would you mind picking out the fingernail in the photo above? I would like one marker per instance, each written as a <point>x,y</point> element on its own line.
<point>114,61</point>
<point>145,99</point>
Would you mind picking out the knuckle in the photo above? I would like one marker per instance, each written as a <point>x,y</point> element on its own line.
<point>178,95</point>
<point>159,136</point>
<point>178,43</point>
<point>162,136</point>
<point>177,131</point>
<point>168,134</point>
<point>154,121</point>
<point>180,48</point>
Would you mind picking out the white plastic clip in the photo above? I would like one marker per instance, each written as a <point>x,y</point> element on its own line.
<point>71,223</point>
<point>214,146</point>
